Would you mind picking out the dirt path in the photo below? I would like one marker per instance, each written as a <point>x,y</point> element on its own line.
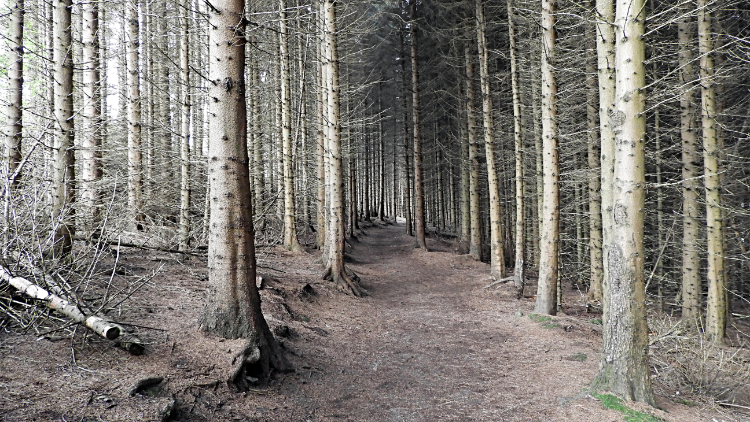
<point>428,344</point>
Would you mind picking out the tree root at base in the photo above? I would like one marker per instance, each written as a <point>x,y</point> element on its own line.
<point>346,281</point>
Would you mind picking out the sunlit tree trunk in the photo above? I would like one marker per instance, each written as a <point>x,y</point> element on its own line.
<point>185,139</point>
<point>321,153</point>
<point>624,368</point>
<point>691,278</point>
<point>497,258</point>
<point>335,270</point>
<point>12,158</point>
<point>546,298</point>
<point>15,90</point>
<point>233,308</point>
<point>135,165</point>
<point>605,51</point>
<point>716,306</point>
<point>63,150</point>
<point>594,164</point>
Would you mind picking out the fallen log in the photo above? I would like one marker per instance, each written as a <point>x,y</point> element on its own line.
<point>97,324</point>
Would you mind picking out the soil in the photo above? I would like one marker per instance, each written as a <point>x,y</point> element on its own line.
<point>428,343</point>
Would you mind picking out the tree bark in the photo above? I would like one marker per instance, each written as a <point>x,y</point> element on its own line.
<point>419,208</point>
<point>475,223</point>
<point>135,164</point>
<point>497,253</point>
<point>15,90</point>
<point>520,229</point>
<point>63,150</point>
<point>336,270</point>
<point>624,368</point>
<point>233,309</point>
<point>290,232</point>
<point>716,305</point>
<point>691,278</point>
<point>596,259</point>
<point>184,235</point>
<point>546,298</point>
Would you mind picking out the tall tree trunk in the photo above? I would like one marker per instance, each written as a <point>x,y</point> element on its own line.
<point>716,306</point>
<point>381,157</point>
<point>624,368</point>
<point>605,51</point>
<point>497,257</point>
<point>419,210</point>
<point>233,309</point>
<point>475,236</point>
<point>596,261</point>
<point>546,298</point>
<point>135,165</point>
<point>518,273</point>
<point>185,139</point>
<point>290,232</point>
<point>63,150</point>
<point>691,278</point>
<point>15,89</point>
<point>407,176</point>
<point>335,271</point>
<point>321,153</point>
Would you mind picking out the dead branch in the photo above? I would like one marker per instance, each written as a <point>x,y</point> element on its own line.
<point>97,324</point>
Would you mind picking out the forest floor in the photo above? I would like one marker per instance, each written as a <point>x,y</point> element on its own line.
<point>429,343</point>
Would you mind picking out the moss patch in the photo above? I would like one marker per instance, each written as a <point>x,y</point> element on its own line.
<point>613,402</point>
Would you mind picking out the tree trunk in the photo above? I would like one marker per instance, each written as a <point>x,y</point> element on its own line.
<point>15,90</point>
<point>691,278</point>
<point>15,115</point>
<point>407,177</point>
<point>716,306</point>
<point>335,271</point>
<point>419,210</point>
<point>233,309</point>
<point>497,258</point>
<point>290,233</point>
<point>475,236</point>
<point>624,368</point>
<point>135,165</point>
<point>546,298</point>
<point>518,273</point>
<point>596,261</point>
<point>64,153</point>
<point>185,140</point>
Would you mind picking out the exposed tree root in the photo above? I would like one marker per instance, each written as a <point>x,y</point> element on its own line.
<point>255,362</point>
<point>346,281</point>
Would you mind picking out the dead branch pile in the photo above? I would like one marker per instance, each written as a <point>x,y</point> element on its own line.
<point>685,362</point>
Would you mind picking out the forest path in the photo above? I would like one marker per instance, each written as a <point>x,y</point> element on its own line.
<point>430,344</point>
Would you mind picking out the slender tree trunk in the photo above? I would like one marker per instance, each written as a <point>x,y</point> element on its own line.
<point>518,273</point>
<point>15,90</point>
<point>135,165</point>
<point>321,153</point>
<point>64,156</point>
<point>233,309</point>
<point>716,306</point>
<point>381,157</point>
<point>596,260</point>
<point>419,209</point>
<point>475,223</point>
<point>538,164</point>
<point>624,368</point>
<point>407,176</point>
<point>546,298</point>
<point>185,140</point>
<point>290,233</point>
<point>691,278</point>
<point>335,270</point>
<point>497,258</point>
